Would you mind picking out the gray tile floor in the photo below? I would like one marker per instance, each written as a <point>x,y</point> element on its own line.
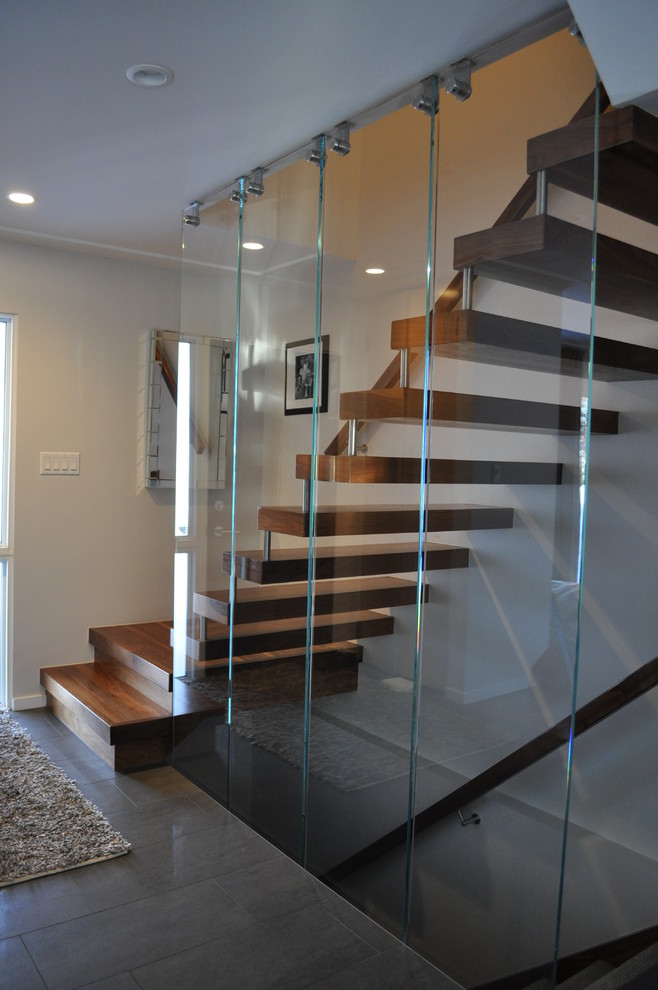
<point>201,901</point>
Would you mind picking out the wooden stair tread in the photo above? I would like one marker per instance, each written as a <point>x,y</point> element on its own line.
<point>142,646</point>
<point>628,159</point>
<point>113,709</point>
<point>407,470</point>
<point>461,409</point>
<point>281,634</point>
<point>352,520</point>
<point>327,650</point>
<point>342,561</point>
<point>484,337</point>
<point>288,601</point>
<point>554,256</point>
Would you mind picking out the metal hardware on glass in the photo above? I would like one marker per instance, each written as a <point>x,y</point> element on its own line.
<point>191,214</point>
<point>576,33</point>
<point>267,544</point>
<point>425,100</point>
<point>203,627</point>
<point>404,367</point>
<point>467,287</point>
<point>316,155</point>
<point>306,495</point>
<point>255,182</point>
<point>239,193</point>
<point>340,139</point>
<point>353,427</point>
<point>542,193</point>
<point>473,819</point>
<point>362,448</point>
<point>458,82</point>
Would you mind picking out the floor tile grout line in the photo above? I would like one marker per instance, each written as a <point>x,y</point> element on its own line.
<point>34,963</point>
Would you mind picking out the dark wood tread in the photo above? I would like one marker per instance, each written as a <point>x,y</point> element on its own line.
<point>628,159</point>
<point>141,646</point>
<point>460,409</point>
<point>291,600</point>
<point>111,708</point>
<point>469,335</point>
<point>353,520</point>
<point>440,471</point>
<point>323,652</point>
<point>554,256</point>
<point>342,561</point>
<point>284,634</point>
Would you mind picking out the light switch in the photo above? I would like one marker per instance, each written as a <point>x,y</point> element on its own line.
<point>59,462</point>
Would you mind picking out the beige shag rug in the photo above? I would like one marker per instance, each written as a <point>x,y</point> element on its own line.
<point>46,824</point>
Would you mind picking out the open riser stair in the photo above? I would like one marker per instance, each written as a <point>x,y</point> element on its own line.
<point>126,698</point>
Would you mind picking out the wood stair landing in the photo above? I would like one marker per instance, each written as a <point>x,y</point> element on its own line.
<point>554,256</point>
<point>291,600</point>
<point>628,159</point>
<point>404,405</point>
<point>469,335</point>
<point>342,561</point>
<point>355,520</point>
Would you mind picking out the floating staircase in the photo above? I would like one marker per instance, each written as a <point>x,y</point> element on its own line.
<point>122,704</point>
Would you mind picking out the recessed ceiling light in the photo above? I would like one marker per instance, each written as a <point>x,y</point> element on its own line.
<point>252,246</point>
<point>149,75</point>
<point>22,198</point>
<point>374,271</point>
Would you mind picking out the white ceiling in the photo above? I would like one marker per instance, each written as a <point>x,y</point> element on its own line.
<point>113,164</point>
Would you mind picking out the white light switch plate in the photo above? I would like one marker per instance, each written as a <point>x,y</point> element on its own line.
<point>59,462</point>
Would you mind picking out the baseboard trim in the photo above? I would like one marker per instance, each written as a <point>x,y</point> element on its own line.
<point>27,701</point>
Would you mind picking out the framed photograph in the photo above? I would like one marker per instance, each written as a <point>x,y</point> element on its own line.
<point>303,378</point>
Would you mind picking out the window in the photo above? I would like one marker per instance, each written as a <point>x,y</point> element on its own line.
<point>6,513</point>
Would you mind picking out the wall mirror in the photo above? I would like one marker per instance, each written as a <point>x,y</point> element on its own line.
<point>199,384</point>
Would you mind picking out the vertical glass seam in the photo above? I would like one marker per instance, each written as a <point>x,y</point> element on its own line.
<point>234,460</point>
<point>422,517</point>
<point>583,482</point>
<point>310,593</point>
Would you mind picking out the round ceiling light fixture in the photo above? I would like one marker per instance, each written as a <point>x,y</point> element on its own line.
<point>22,198</point>
<point>149,75</point>
<point>253,246</point>
<point>374,271</point>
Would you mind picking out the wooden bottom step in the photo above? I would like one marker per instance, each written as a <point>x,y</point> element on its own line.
<point>342,561</point>
<point>121,725</point>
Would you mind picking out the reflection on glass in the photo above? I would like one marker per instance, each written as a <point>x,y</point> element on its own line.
<point>432,791</point>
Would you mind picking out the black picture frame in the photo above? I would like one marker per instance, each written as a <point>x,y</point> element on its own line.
<point>302,378</point>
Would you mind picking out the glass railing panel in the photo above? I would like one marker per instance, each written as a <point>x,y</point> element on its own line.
<point>611,852</point>
<point>508,442</point>
<point>193,372</point>
<point>367,494</point>
<point>276,376</point>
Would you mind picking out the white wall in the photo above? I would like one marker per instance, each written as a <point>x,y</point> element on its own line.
<point>94,549</point>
